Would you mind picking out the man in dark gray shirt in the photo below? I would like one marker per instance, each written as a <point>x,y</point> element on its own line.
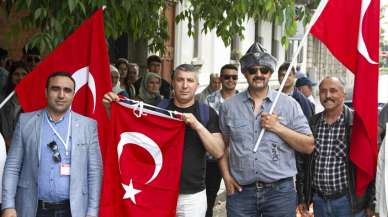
<point>261,183</point>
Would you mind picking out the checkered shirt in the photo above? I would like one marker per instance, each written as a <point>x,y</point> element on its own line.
<point>330,175</point>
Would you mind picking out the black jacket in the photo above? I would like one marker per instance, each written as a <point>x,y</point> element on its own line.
<point>305,187</point>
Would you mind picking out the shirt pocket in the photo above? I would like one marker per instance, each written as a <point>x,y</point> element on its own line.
<point>238,130</point>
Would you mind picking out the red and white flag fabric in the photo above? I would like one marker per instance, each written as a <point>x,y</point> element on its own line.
<point>143,166</point>
<point>84,54</point>
<point>350,30</point>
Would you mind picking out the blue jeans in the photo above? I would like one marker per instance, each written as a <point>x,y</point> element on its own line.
<point>276,201</point>
<point>340,207</point>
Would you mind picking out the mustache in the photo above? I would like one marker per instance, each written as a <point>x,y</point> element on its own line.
<point>328,99</point>
<point>258,78</point>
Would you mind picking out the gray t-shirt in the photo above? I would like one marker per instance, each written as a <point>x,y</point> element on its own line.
<point>274,159</point>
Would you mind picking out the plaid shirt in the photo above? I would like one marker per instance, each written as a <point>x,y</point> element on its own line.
<point>330,175</point>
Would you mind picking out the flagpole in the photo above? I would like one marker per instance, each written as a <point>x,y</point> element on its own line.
<point>318,12</point>
<point>7,99</point>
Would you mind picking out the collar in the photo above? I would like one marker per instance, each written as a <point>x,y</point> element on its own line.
<point>65,116</point>
<point>271,94</point>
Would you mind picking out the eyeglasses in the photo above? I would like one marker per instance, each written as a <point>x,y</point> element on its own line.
<point>263,70</point>
<point>54,148</point>
<point>227,77</point>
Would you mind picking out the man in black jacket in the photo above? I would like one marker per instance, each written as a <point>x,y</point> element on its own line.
<point>330,175</point>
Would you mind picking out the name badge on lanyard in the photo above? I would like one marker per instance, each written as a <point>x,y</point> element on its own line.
<point>65,143</point>
<point>65,169</point>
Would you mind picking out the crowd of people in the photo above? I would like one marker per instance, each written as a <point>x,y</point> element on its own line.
<point>302,159</point>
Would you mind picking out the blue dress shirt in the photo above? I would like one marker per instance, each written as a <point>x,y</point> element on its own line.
<point>52,186</point>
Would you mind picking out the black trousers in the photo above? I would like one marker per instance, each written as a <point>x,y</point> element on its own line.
<point>213,181</point>
<point>63,211</point>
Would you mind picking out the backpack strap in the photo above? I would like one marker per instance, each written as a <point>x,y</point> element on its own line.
<point>164,103</point>
<point>204,113</point>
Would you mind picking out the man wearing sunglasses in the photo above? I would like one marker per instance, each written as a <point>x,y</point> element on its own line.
<point>54,163</point>
<point>261,183</point>
<point>229,77</point>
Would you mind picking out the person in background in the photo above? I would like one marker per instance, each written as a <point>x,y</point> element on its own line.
<point>10,112</point>
<point>115,77</point>
<point>305,86</point>
<point>3,71</point>
<point>289,89</point>
<point>122,65</point>
<point>154,64</point>
<point>229,77</point>
<point>31,56</point>
<point>149,89</point>
<point>214,85</point>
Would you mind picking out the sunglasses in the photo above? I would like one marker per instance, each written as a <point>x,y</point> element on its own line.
<point>263,70</point>
<point>54,148</point>
<point>227,77</point>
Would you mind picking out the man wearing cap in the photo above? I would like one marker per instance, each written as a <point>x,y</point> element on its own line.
<point>261,183</point>
<point>305,85</point>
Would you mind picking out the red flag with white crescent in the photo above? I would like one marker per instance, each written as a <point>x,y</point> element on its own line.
<point>84,54</point>
<point>142,169</point>
<point>350,30</point>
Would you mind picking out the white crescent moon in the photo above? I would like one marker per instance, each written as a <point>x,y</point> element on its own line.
<point>361,43</point>
<point>82,77</point>
<point>145,142</point>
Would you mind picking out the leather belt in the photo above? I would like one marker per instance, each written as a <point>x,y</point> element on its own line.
<point>331,196</point>
<point>60,205</point>
<point>259,184</point>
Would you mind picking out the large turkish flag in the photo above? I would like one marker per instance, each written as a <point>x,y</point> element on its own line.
<point>350,30</point>
<point>142,169</point>
<point>84,54</point>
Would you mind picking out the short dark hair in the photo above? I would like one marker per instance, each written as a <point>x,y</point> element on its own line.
<point>59,74</point>
<point>121,61</point>
<point>284,68</point>
<point>228,66</point>
<point>153,58</point>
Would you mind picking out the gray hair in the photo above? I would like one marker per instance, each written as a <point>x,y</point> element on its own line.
<point>185,68</point>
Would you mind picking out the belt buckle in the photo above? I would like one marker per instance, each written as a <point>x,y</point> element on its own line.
<point>259,185</point>
<point>44,205</point>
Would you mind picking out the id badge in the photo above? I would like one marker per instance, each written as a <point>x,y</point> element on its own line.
<point>65,169</point>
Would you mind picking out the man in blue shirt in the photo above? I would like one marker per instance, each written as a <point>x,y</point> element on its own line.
<point>54,163</point>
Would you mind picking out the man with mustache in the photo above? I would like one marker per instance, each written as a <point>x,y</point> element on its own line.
<point>330,180</point>
<point>261,183</point>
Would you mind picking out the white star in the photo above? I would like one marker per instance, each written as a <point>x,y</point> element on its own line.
<point>130,192</point>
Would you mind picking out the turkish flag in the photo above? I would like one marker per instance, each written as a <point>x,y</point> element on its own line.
<point>350,30</point>
<point>142,173</point>
<point>84,54</point>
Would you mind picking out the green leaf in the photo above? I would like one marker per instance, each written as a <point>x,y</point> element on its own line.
<point>71,4</point>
